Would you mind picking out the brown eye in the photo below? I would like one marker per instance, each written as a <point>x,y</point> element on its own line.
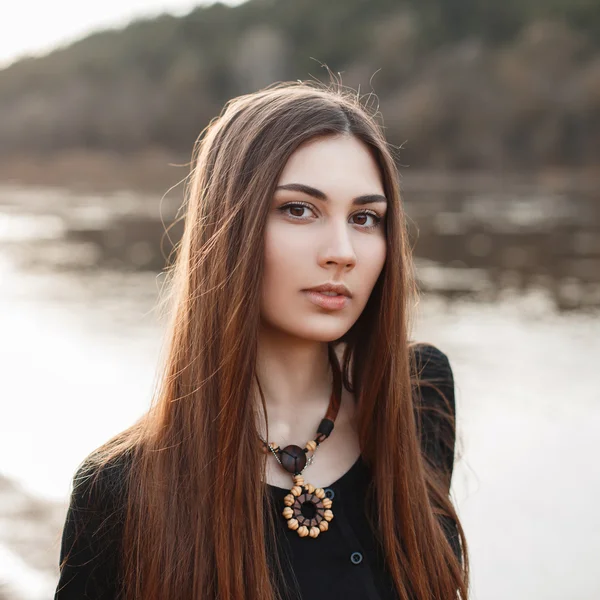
<point>299,210</point>
<point>365,215</point>
<point>296,210</point>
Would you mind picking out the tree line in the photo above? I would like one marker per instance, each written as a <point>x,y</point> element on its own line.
<point>461,84</point>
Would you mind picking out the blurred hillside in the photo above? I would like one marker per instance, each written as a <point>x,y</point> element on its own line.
<point>462,84</point>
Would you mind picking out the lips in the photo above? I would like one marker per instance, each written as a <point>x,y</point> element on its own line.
<point>327,302</point>
<point>337,288</point>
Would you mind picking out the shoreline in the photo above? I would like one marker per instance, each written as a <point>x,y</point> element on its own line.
<point>157,171</point>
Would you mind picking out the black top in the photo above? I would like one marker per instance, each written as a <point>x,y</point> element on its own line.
<point>346,561</point>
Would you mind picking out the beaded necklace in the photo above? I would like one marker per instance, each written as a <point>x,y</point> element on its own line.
<point>307,510</point>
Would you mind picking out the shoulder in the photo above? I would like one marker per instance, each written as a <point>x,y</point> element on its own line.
<point>435,411</point>
<point>92,532</point>
<point>435,405</point>
<point>96,509</point>
<point>432,378</point>
<point>100,483</point>
<point>430,362</point>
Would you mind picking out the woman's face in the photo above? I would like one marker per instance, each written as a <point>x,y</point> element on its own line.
<point>326,225</point>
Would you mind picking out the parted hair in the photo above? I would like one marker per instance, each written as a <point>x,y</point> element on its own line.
<point>195,452</point>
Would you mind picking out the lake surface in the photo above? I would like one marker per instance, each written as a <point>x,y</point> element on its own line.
<point>512,282</point>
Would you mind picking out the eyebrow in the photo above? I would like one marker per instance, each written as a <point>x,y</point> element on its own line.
<point>315,193</point>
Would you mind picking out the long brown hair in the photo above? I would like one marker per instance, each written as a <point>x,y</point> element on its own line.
<point>192,486</point>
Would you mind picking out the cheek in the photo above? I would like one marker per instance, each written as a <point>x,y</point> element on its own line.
<point>371,258</point>
<point>285,256</point>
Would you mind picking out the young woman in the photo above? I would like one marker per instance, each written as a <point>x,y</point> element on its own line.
<point>299,445</point>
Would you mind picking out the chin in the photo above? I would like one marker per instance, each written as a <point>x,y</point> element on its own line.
<point>323,336</point>
<point>315,327</point>
<point>326,329</point>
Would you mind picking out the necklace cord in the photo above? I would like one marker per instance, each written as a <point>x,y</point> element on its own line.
<point>307,508</point>
<point>327,423</point>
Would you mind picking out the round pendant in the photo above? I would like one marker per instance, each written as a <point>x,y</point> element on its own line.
<point>307,509</point>
<point>293,458</point>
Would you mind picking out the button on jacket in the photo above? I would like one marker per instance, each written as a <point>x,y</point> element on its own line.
<point>346,561</point>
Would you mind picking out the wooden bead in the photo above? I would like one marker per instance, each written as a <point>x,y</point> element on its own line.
<point>311,446</point>
<point>327,502</point>
<point>289,500</point>
<point>299,480</point>
<point>293,523</point>
<point>310,488</point>
<point>274,446</point>
<point>323,525</point>
<point>328,515</point>
<point>319,493</point>
<point>287,512</point>
<point>296,490</point>
<point>314,532</point>
<point>303,531</point>
<point>293,458</point>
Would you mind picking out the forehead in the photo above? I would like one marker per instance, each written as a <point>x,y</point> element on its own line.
<point>337,165</point>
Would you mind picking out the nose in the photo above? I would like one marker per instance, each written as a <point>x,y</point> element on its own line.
<point>337,248</point>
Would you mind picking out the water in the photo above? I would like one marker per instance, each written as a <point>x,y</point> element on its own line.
<point>80,344</point>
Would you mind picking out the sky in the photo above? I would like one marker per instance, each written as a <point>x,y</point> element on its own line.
<point>35,27</point>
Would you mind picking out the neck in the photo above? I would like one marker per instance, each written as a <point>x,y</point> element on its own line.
<point>292,371</point>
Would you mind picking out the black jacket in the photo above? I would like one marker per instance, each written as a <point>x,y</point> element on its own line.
<point>345,562</point>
